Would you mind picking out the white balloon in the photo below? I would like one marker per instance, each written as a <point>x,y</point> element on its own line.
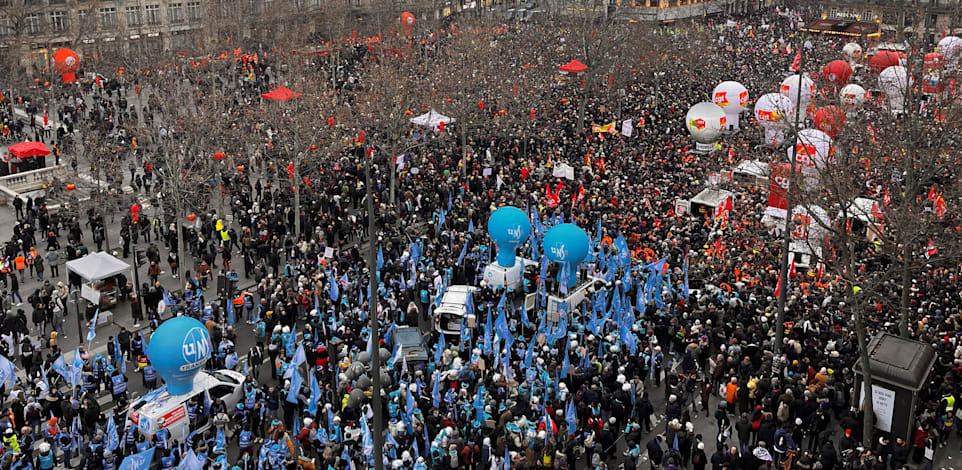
<point>790,89</point>
<point>774,110</point>
<point>705,122</point>
<point>732,98</point>
<point>852,51</point>
<point>951,48</point>
<point>813,150</point>
<point>852,95</point>
<point>895,81</point>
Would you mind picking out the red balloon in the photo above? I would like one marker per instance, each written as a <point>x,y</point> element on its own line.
<point>66,62</point>
<point>830,120</point>
<point>837,72</point>
<point>330,121</point>
<point>407,21</point>
<point>883,60</point>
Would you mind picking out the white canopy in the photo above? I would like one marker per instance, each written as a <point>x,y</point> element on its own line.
<point>97,266</point>
<point>432,119</point>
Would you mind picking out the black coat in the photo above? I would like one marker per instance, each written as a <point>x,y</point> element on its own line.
<point>655,453</point>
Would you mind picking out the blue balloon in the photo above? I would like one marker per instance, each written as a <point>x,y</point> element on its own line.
<point>178,349</point>
<point>566,244</point>
<point>508,227</point>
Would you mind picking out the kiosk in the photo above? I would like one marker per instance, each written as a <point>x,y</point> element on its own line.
<point>900,367</point>
<point>102,275</point>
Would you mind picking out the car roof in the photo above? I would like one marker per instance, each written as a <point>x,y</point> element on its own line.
<point>161,401</point>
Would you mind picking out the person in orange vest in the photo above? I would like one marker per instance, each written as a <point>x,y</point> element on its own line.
<point>20,263</point>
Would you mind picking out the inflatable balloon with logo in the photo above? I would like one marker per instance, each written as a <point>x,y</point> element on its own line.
<point>773,112</point>
<point>732,98</point>
<point>508,227</point>
<point>178,349</point>
<point>705,122</point>
<point>566,244</point>
<point>66,62</point>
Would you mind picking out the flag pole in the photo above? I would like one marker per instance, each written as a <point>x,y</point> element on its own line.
<point>790,200</point>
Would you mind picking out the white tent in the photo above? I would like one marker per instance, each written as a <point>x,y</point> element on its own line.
<point>432,119</point>
<point>97,266</point>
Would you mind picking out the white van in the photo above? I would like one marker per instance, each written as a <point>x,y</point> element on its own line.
<point>158,409</point>
<point>448,316</point>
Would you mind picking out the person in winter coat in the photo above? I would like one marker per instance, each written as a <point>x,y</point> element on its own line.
<point>698,458</point>
<point>655,452</point>
<point>828,457</point>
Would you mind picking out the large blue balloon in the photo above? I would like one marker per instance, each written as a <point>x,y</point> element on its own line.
<point>178,349</point>
<point>508,227</point>
<point>566,244</point>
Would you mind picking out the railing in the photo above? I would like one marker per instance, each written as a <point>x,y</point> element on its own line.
<point>11,185</point>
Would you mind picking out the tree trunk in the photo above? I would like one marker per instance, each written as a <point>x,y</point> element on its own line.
<point>179,212</point>
<point>906,286</point>
<point>296,187</point>
<point>868,423</point>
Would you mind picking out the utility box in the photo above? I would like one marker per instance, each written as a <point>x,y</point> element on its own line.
<point>900,367</point>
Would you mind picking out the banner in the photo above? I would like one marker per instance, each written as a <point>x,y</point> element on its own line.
<point>627,128</point>
<point>778,190</point>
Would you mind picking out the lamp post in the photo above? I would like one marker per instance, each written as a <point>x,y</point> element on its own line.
<point>378,426</point>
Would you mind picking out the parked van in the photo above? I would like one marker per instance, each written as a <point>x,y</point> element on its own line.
<point>159,410</point>
<point>448,316</point>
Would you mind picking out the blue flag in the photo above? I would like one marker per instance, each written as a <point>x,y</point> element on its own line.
<point>571,416</point>
<point>332,289</point>
<point>230,312</point>
<point>436,392</point>
<point>76,368</point>
<point>488,332</point>
<point>564,278</point>
<point>464,251</point>
<point>296,381</point>
<point>92,333</point>
<point>139,461</point>
<point>380,258</point>
<point>315,394</point>
<point>529,354</point>
<point>566,363</point>
<point>113,439</point>
<point>471,225</point>
<point>220,442</point>
<point>684,287</point>
<point>623,256</point>
<point>60,366</point>
<point>439,350</point>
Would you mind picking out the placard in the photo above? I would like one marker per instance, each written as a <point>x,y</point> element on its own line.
<point>88,292</point>
<point>883,405</point>
<point>486,172</point>
<point>329,252</point>
<point>681,207</point>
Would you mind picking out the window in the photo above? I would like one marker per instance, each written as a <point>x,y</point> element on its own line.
<point>193,11</point>
<point>153,14</point>
<point>6,27</point>
<point>175,13</point>
<point>31,24</point>
<point>58,21</point>
<point>108,17</point>
<point>133,16</point>
<point>315,3</point>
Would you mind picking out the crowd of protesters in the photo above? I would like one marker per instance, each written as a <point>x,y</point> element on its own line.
<point>528,400</point>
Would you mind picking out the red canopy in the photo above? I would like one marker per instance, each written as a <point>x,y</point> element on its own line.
<point>573,67</point>
<point>29,149</point>
<point>281,93</point>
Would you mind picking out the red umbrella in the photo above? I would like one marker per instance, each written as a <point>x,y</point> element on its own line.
<point>29,149</point>
<point>573,67</point>
<point>281,93</point>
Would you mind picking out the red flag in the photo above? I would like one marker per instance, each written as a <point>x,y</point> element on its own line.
<point>797,63</point>
<point>791,270</point>
<point>932,193</point>
<point>931,250</point>
<point>940,206</point>
<point>821,271</point>
<point>886,198</point>
<point>581,192</point>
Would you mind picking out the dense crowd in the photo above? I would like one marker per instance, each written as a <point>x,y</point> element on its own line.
<point>526,401</point>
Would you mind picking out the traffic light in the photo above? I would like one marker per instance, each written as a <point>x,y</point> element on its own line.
<point>140,257</point>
